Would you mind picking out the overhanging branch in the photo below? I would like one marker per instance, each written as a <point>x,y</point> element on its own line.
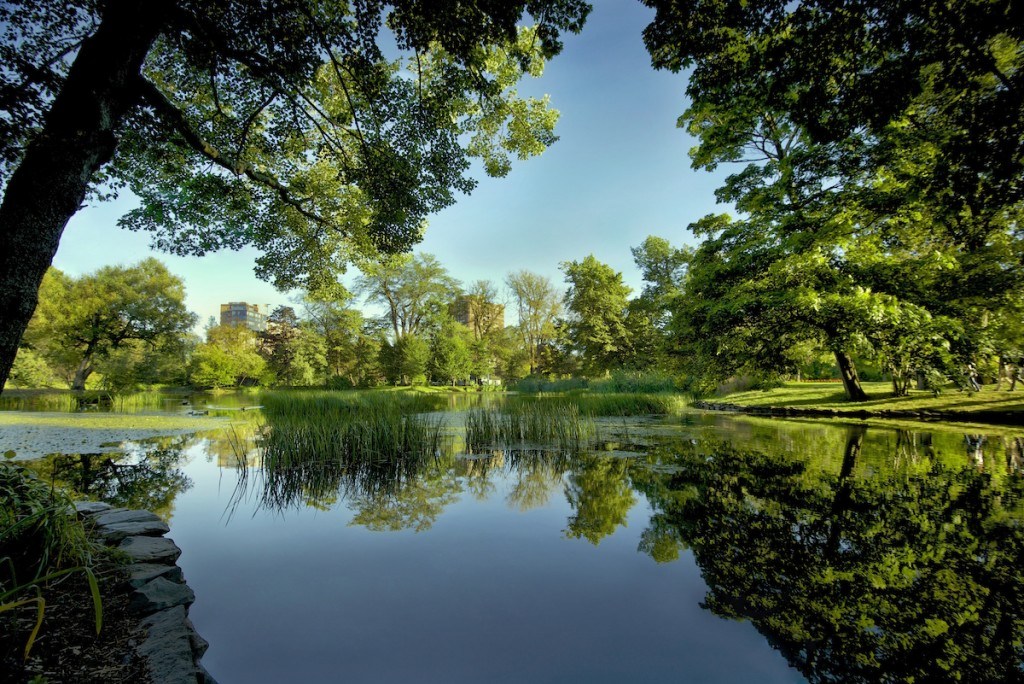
<point>176,119</point>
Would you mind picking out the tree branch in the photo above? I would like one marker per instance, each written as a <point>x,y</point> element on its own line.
<point>176,119</point>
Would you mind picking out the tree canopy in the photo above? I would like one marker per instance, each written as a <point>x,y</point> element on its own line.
<point>286,126</point>
<point>83,321</point>
<point>874,220</point>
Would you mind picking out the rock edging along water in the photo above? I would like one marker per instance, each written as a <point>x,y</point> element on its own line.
<point>172,648</point>
<point>985,417</point>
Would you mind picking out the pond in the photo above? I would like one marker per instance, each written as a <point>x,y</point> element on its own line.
<point>688,546</point>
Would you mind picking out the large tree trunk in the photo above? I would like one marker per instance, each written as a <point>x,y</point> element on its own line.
<point>51,182</point>
<point>82,374</point>
<point>851,381</point>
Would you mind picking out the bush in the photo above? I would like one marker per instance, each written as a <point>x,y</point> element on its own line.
<point>41,540</point>
<point>634,382</point>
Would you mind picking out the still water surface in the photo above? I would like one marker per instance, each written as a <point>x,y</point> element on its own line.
<point>701,547</point>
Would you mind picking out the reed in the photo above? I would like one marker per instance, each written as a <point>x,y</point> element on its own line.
<point>317,445</point>
<point>92,400</point>
<point>615,405</point>
<point>558,425</point>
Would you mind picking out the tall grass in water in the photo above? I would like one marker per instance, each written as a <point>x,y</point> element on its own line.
<point>547,424</point>
<point>618,405</point>
<point>340,426</point>
<point>68,401</point>
<point>316,444</point>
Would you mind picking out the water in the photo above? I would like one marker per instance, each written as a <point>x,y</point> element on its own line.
<point>701,547</point>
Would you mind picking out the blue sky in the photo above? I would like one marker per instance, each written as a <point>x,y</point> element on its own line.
<point>619,173</point>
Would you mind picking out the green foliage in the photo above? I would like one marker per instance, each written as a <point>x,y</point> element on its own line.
<point>404,362</point>
<point>295,352</point>
<point>451,356</point>
<point>596,300</point>
<point>117,321</point>
<point>227,359</point>
<point>415,289</point>
<point>868,227</point>
<point>30,371</point>
<point>535,385</point>
<point>634,382</point>
<point>40,541</point>
<point>311,149</point>
<point>537,307</point>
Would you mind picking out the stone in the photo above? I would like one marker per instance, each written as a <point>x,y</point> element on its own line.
<point>88,508</point>
<point>123,515</point>
<point>167,649</point>
<point>204,676</point>
<point>114,533</point>
<point>150,549</point>
<point>160,594</point>
<point>199,644</point>
<point>141,573</point>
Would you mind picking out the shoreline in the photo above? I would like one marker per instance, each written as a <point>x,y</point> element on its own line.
<point>985,417</point>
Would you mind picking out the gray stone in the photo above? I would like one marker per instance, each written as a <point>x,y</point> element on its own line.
<point>167,649</point>
<point>141,573</point>
<point>160,594</point>
<point>122,515</point>
<point>199,644</point>
<point>85,508</point>
<point>204,676</point>
<point>150,549</point>
<point>114,533</point>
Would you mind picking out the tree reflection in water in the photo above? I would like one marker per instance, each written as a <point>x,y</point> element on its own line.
<point>885,577</point>
<point>147,476</point>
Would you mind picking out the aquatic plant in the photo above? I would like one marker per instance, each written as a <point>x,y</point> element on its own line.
<point>629,382</point>
<point>556,424</point>
<point>41,539</point>
<point>619,405</point>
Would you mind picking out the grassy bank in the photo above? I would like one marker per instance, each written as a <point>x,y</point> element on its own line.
<point>830,396</point>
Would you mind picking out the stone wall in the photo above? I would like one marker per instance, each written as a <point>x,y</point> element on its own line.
<point>160,597</point>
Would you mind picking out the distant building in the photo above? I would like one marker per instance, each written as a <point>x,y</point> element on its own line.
<point>240,313</point>
<point>478,315</point>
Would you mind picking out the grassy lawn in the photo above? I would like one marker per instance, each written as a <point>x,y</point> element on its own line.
<point>827,395</point>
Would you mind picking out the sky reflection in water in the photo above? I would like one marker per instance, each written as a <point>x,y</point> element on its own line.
<point>843,553</point>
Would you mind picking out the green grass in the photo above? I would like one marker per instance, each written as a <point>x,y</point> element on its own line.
<point>538,424</point>
<point>826,395</point>
<point>617,405</point>
<point>41,540</point>
<point>317,443</point>
<point>347,426</point>
<point>67,400</point>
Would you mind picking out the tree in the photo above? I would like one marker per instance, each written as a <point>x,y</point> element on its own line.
<point>450,354</point>
<point>884,161</point>
<point>228,358</point>
<point>294,350</point>
<point>405,360</point>
<point>282,126</point>
<point>868,66</point>
<point>597,301</point>
<point>416,289</point>
<point>663,268</point>
<point>81,322</point>
<point>538,306</point>
<point>485,311</point>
